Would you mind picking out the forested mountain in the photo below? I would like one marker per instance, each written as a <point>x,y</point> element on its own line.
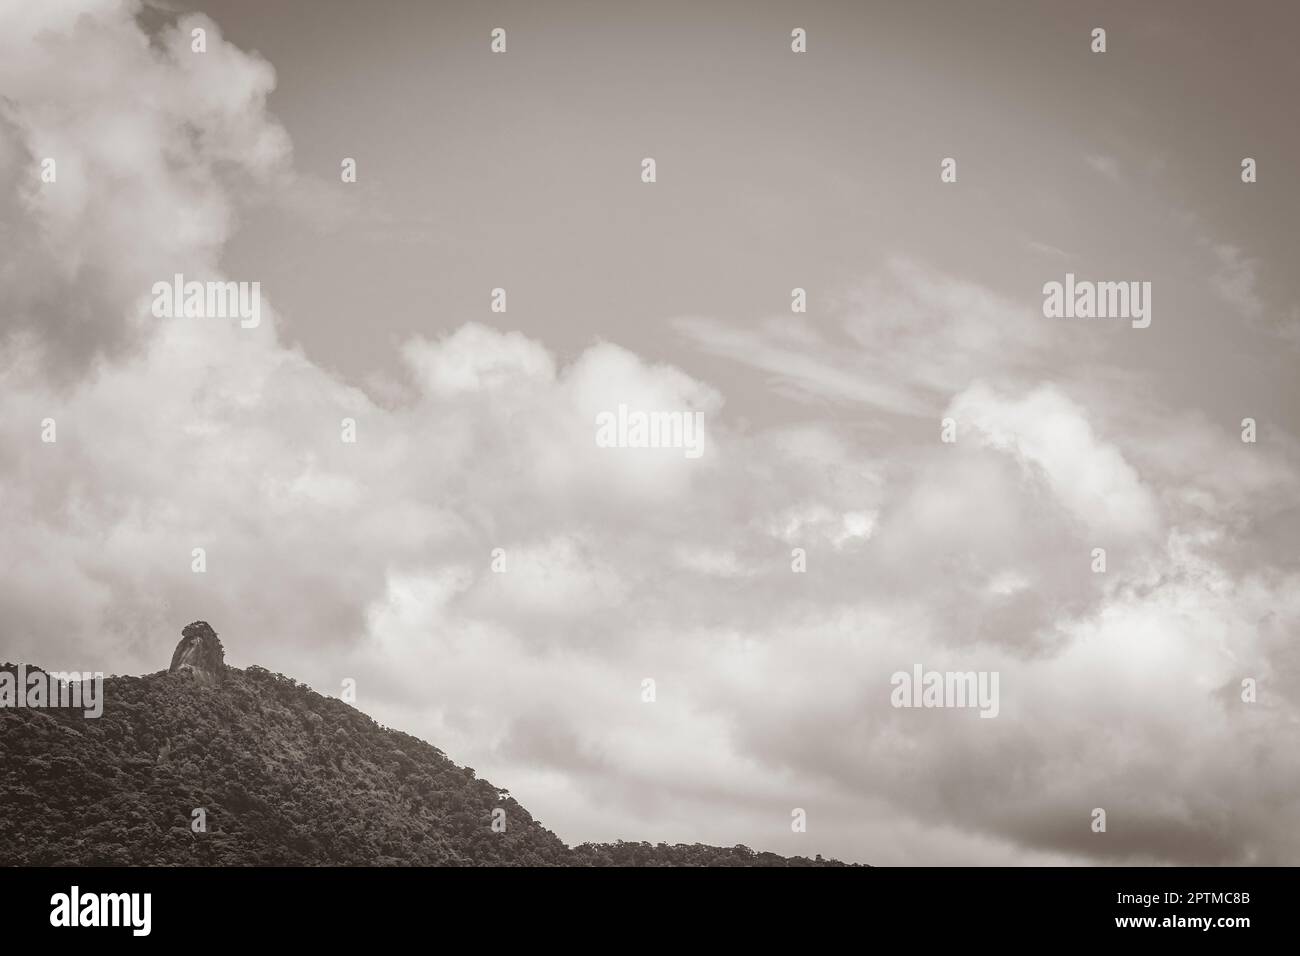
<point>274,772</point>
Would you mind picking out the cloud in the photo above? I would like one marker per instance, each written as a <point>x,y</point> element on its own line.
<point>900,341</point>
<point>476,358</point>
<point>1234,280</point>
<point>798,360</point>
<point>1048,432</point>
<point>149,140</point>
<point>1106,166</point>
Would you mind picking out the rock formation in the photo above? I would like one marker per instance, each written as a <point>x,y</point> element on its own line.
<point>199,655</point>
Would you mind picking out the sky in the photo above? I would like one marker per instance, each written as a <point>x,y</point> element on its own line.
<point>373,561</point>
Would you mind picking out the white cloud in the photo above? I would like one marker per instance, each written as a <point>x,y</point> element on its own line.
<point>476,358</point>
<point>1047,431</point>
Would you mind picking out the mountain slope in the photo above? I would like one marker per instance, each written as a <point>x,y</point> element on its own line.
<point>282,774</point>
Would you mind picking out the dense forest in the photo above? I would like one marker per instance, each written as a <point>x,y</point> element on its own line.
<point>283,776</point>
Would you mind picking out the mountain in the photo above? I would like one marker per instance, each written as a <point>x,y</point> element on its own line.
<point>207,764</point>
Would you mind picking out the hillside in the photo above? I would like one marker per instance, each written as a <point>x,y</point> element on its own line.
<point>284,775</point>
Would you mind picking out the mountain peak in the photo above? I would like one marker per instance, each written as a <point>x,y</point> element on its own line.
<point>199,654</point>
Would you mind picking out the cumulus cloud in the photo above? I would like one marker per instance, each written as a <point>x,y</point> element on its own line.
<point>149,144</point>
<point>1050,434</point>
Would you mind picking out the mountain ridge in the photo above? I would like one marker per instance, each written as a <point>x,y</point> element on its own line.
<point>209,764</point>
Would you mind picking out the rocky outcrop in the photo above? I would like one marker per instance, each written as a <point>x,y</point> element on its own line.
<point>199,656</point>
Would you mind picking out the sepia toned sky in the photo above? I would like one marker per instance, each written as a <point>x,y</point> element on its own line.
<point>775,170</point>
